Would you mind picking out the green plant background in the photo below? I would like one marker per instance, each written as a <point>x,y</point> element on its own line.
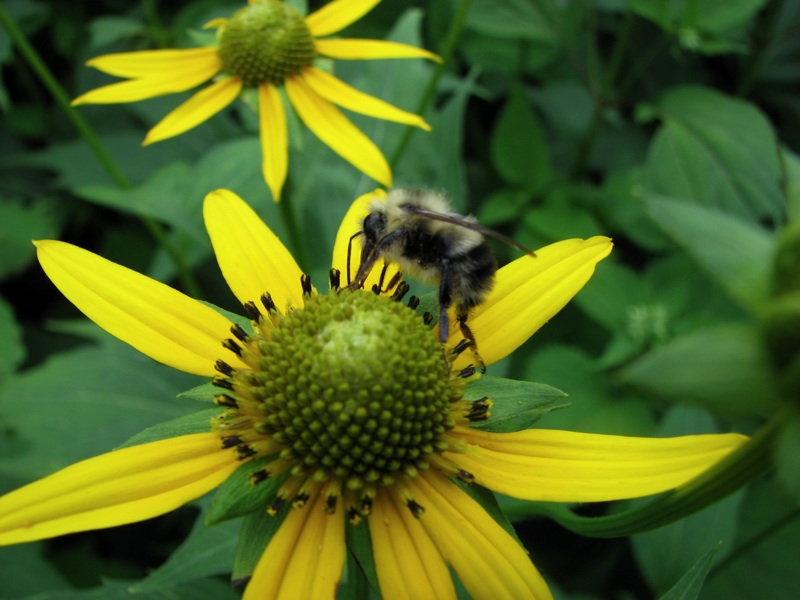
<point>672,127</point>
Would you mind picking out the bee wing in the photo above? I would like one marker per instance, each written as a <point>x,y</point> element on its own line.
<point>467,224</point>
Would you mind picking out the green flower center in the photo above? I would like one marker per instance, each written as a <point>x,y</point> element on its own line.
<point>353,388</point>
<point>266,41</point>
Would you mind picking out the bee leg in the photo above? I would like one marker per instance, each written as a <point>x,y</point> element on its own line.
<point>467,333</point>
<point>445,300</point>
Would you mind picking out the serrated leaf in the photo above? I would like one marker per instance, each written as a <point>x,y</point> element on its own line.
<point>205,392</point>
<point>519,150</point>
<point>736,254</point>
<point>715,151</point>
<point>689,586</point>
<point>722,368</point>
<point>256,532</point>
<point>359,546</point>
<point>516,405</point>
<point>198,422</point>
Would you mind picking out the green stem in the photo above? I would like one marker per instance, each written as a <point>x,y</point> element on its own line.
<point>617,54</point>
<point>86,132</point>
<point>742,466</point>
<point>763,41</point>
<point>447,53</point>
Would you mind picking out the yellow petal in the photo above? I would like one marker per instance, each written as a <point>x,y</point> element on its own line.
<point>489,562</point>
<point>527,293</point>
<point>217,23</point>
<point>408,563</point>
<point>565,466</point>
<point>370,49</point>
<point>150,316</point>
<point>158,64</point>
<point>337,15</point>
<point>350,225</point>
<point>274,138</point>
<point>337,91</point>
<point>124,486</point>
<point>200,107</point>
<point>334,129</point>
<point>252,258</point>
<point>304,559</point>
<point>153,82</point>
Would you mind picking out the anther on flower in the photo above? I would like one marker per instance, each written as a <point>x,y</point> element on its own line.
<point>331,389</point>
<point>266,41</point>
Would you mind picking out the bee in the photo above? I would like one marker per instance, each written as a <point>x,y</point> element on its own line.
<point>418,231</point>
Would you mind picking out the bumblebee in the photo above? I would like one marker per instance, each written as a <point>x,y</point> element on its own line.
<point>417,230</point>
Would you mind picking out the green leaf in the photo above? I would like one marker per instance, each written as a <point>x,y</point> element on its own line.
<point>722,368</point>
<point>238,497</point>
<point>519,149</point>
<point>205,392</point>
<point>787,457</point>
<point>208,551</point>
<point>19,224</point>
<point>707,16</point>
<point>256,532</point>
<point>516,405</point>
<point>513,19</point>
<point>82,403</point>
<point>689,586</point>
<point>736,254</point>
<point>12,350</point>
<point>671,553</point>
<point>763,561</point>
<point>715,151</point>
<point>359,547</point>
<point>197,422</point>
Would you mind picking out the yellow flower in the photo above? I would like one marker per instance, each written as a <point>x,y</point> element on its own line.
<point>267,44</point>
<point>348,397</point>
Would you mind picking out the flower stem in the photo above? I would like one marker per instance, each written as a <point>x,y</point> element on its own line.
<point>86,132</point>
<point>447,52</point>
<point>739,468</point>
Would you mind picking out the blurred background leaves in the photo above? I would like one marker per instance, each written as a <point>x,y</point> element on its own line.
<point>672,127</point>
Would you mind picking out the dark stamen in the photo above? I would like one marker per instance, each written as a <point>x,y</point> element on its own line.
<point>252,310</point>
<point>239,333</point>
<point>468,371</point>
<point>465,476</point>
<point>232,346</point>
<point>354,516</point>
<point>224,368</point>
<point>300,499</point>
<point>402,290</point>
<point>479,410</point>
<point>330,503</point>
<point>413,303</point>
<point>244,451</point>
<point>305,283</point>
<point>416,509</point>
<point>266,300</point>
<point>276,506</point>
<point>222,383</point>
<point>376,289</point>
<point>226,400</point>
<point>258,476</point>
<point>231,441</point>
<point>334,278</point>
<point>427,318</point>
